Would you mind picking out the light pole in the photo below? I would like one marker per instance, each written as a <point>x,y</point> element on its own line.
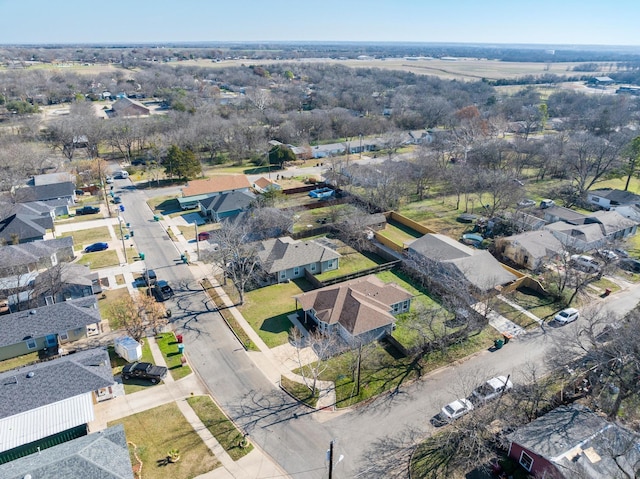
<point>124,247</point>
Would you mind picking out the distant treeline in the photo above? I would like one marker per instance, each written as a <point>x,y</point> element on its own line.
<point>169,51</point>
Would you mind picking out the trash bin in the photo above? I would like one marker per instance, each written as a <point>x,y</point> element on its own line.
<point>126,237</point>
<point>498,343</point>
<point>179,338</point>
<point>141,256</point>
<point>131,233</point>
<point>607,291</point>
<point>156,218</point>
<point>180,348</point>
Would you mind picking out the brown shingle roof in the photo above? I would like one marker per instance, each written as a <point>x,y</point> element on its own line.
<point>359,305</point>
<point>216,184</point>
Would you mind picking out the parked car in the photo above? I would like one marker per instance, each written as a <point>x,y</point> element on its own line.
<point>547,203</point>
<point>630,264</point>
<point>455,409</point>
<point>585,263</point>
<point>92,248</point>
<point>109,179</point>
<point>526,203</point>
<point>87,210</point>
<point>4,306</point>
<point>149,277</point>
<point>122,174</point>
<point>491,389</point>
<point>117,200</point>
<point>204,235</point>
<point>607,255</point>
<point>567,315</point>
<point>148,371</point>
<point>621,252</point>
<point>162,290</point>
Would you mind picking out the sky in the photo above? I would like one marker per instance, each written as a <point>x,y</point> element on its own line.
<point>548,22</point>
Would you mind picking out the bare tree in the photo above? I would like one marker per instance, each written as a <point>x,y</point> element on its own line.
<point>236,254</point>
<point>312,366</point>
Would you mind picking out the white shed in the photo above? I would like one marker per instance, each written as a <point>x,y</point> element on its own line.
<point>128,348</point>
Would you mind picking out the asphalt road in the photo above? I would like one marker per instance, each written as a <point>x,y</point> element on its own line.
<point>373,440</point>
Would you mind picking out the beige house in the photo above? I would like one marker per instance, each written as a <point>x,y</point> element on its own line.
<point>197,190</point>
<point>359,311</point>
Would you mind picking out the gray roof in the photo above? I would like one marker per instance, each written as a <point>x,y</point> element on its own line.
<point>45,192</point>
<point>284,253</point>
<point>53,178</point>
<point>611,221</point>
<point>478,267</point>
<point>565,214</point>
<point>24,227</point>
<point>581,443</point>
<point>101,455</point>
<point>35,208</point>
<point>54,381</point>
<point>27,253</point>
<point>620,197</point>
<point>53,319</point>
<point>588,233</point>
<point>538,244</point>
<point>228,202</point>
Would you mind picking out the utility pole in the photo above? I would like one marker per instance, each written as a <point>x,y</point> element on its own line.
<point>331,459</point>
<point>197,242</point>
<point>124,247</point>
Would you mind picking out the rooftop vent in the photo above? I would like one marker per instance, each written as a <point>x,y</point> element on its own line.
<point>30,374</point>
<point>33,311</point>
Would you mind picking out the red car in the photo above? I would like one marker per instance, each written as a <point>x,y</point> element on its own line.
<point>204,235</point>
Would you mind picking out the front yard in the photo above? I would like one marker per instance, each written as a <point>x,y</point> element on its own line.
<point>266,309</point>
<point>85,237</point>
<point>169,346</point>
<point>155,432</point>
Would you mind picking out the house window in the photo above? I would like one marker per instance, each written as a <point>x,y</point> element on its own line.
<point>396,308</point>
<point>49,300</point>
<point>405,305</point>
<point>283,275</point>
<point>63,336</point>
<point>313,267</point>
<point>31,343</point>
<point>330,263</point>
<point>54,259</point>
<point>526,461</point>
<point>595,199</point>
<point>296,271</point>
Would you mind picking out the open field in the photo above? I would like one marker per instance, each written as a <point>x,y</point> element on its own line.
<point>471,69</point>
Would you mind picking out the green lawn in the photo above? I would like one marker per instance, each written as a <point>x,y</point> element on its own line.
<point>419,294</point>
<point>117,363</point>
<point>384,369</point>
<point>229,318</point>
<point>23,360</point>
<point>107,298</point>
<point>541,306</point>
<point>300,391</point>
<point>220,427</point>
<point>164,205</point>
<point>352,261</point>
<point>83,238</point>
<point>266,309</point>
<point>100,259</point>
<point>399,233</point>
<point>169,346</point>
<point>157,431</point>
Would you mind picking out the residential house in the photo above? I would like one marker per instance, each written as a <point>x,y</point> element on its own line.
<point>450,261</point>
<point>530,250</point>
<point>572,442</point>
<point>103,454</point>
<point>126,107</point>
<point>197,190</point>
<point>284,258</point>
<point>63,283</point>
<point>359,311</point>
<point>35,256</point>
<point>226,205</point>
<point>52,401</point>
<point>47,327</point>
<point>300,152</point>
<point>607,198</point>
<point>419,137</point>
<point>54,187</point>
<point>262,185</point>
<point>17,228</point>
<point>352,147</point>
<point>588,232</point>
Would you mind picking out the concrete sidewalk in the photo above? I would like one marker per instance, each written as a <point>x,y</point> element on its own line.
<point>255,464</point>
